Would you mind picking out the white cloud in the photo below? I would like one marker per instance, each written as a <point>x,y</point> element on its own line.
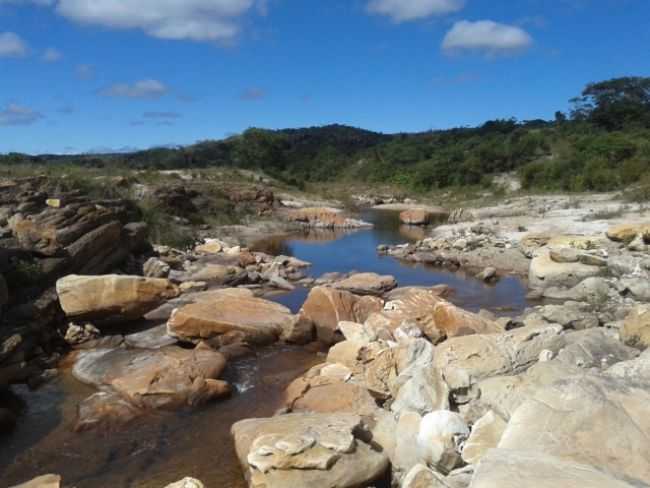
<point>14,114</point>
<point>405,10</point>
<point>486,36</point>
<point>52,55</point>
<point>12,46</point>
<point>197,20</point>
<point>151,89</point>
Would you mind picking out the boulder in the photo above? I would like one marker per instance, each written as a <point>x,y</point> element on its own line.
<point>420,216</point>
<point>440,438</point>
<point>506,468</point>
<point>366,284</point>
<point>211,246</point>
<point>594,348</point>
<point>114,297</point>
<point>326,307</point>
<point>329,392</point>
<point>232,311</point>
<point>591,419</point>
<point>486,434</point>
<point>307,451</point>
<point>636,328</point>
<point>464,361</point>
<point>321,217</point>
<point>593,290</point>
<point>156,268</point>
<point>636,286</point>
<point>167,378</point>
<point>434,316</point>
<point>627,232</point>
<point>544,272</point>
<point>46,481</point>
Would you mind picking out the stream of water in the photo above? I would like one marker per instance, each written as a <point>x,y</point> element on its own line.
<point>165,447</point>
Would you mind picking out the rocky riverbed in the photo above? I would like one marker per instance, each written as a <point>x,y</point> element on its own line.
<point>410,389</point>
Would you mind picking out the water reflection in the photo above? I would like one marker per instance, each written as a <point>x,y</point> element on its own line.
<point>356,251</point>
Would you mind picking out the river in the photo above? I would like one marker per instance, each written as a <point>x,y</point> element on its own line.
<point>166,447</point>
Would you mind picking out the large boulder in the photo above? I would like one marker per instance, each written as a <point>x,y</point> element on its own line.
<point>466,360</point>
<point>326,307</point>
<point>545,272</point>
<point>232,312</point>
<point>328,389</point>
<point>307,451</point>
<point>113,297</point>
<point>636,328</point>
<point>421,216</point>
<point>628,232</point>
<point>366,284</point>
<point>165,378</point>
<point>596,420</point>
<point>506,468</point>
<point>435,317</point>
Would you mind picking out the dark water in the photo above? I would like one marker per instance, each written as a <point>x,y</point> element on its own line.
<point>330,251</point>
<point>166,447</point>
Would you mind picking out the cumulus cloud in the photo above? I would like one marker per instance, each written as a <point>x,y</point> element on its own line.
<point>405,10</point>
<point>14,114</point>
<point>12,46</point>
<point>52,55</point>
<point>252,94</point>
<point>197,20</point>
<point>151,89</point>
<point>486,36</point>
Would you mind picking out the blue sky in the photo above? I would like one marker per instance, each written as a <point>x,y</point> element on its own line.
<point>81,75</point>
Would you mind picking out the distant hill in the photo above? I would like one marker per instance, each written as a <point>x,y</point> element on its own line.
<point>602,144</point>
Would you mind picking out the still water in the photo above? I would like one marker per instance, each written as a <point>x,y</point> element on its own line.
<point>330,251</point>
<point>166,447</point>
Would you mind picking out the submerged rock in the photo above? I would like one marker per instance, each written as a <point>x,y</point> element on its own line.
<point>166,378</point>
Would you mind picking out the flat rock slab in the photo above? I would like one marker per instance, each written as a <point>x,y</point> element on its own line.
<point>113,297</point>
<point>503,468</point>
<point>231,311</point>
<point>591,419</point>
<point>367,284</point>
<point>307,451</point>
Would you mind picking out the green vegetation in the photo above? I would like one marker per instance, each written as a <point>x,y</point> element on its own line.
<point>602,144</point>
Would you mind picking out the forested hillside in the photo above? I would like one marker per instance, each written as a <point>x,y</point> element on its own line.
<point>602,143</point>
